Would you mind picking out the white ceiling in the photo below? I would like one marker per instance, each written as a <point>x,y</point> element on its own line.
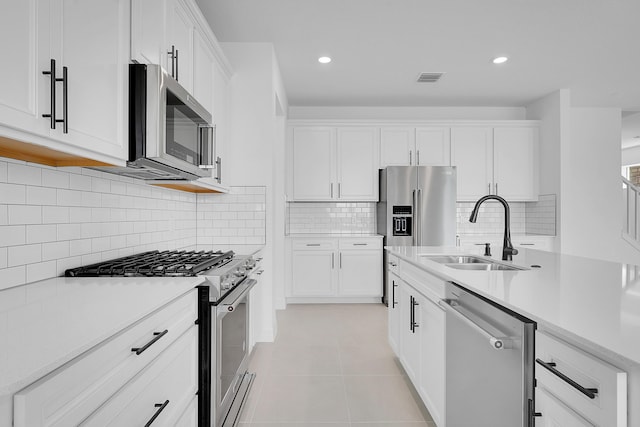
<point>380,46</point>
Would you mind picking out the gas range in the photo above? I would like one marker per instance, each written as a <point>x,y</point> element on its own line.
<point>223,270</point>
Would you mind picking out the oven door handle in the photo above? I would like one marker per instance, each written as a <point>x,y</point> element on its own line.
<point>235,296</point>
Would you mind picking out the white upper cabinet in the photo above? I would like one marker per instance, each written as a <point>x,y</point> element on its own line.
<point>313,163</point>
<point>471,153</point>
<point>204,72</point>
<point>332,164</point>
<point>181,27</point>
<point>433,146</point>
<point>89,41</point>
<point>515,162</point>
<point>500,160</point>
<point>397,146</point>
<point>422,146</point>
<point>148,32</point>
<point>357,163</point>
<point>24,90</point>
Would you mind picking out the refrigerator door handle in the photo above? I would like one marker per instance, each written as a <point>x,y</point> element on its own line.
<point>415,217</point>
<point>418,216</point>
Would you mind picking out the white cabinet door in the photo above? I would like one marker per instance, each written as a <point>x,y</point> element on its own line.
<point>204,67</point>
<point>433,146</point>
<point>393,311</point>
<point>313,168</point>
<point>471,153</point>
<point>397,146</point>
<point>431,384</point>
<point>313,273</point>
<point>410,336</point>
<point>180,39</point>
<point>555,414</point>
<point>92,40</point>
<point>24,90</point>
<point>357,164</point>
<point>148,32</point>
<point>515,165</point>
<point>360,273</point>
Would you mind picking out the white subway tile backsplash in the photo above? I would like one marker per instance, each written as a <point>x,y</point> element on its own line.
<point>25,214</point>
<point>13,235</point>
<point>55,250</point>
<point>3,258</point>
<point>55,179</point>
<point>79,182</point>
<point>3,171</point>
<point>24,254</point>
<point>55,215</point>
<point>12,276</point>
<point>324,218</point>
<point>80,247</point>
<point>41,271</point>
<point>4,215</point>
<point>13,193</point>
<point>41,196</point>
<point>24,174</point>
<point>41,233</point>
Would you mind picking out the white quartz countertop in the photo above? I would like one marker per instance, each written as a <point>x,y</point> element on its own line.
<point>46,324</point>
<point>332,235</point>
<point>595,303</point>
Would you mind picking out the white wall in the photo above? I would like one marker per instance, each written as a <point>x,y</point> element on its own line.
<point>254,157</point>
<point>552,111</point>
<point>408,113</point>
<point>591,188</point>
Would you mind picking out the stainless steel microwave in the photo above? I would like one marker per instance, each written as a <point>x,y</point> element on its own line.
<point>170,133</point>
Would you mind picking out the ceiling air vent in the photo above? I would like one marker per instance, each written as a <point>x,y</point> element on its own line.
<point>429,77</point>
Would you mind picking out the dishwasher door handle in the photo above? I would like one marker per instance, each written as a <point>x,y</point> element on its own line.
<point>497,343</point>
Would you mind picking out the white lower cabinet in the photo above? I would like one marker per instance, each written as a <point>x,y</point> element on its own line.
<point>393,308</point>
<point>159,393</point>
<point>161,345</point>
<point>575,388</point>
<point>421,324</point>
<point>326,267</point>
<point>554,413</point>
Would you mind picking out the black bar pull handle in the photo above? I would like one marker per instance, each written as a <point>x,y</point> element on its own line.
<point>413,311</point>
<point>158,335</point>
<point>177,63</point>
<point>172,55</point>
<point>393,294</point>
<point>160,407</point>
<point>52,73</point>
<point>551,366</point>
<point>65,103</point>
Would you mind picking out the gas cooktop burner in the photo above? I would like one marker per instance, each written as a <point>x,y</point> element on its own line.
<point>155,263</point>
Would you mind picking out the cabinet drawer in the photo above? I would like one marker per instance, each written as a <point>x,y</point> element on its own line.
<point>164,389</point>
<point>393,263</point>
<point>554,413</point>
<point>430,286</point>
<point>311,244</point>
<point>70,393</point>
<point>607,406</point>
<point>360,243</point>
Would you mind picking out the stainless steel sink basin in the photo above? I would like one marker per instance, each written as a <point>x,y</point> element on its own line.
<point>485,267</point>
<point>470,262</point>
<point>456,259</point>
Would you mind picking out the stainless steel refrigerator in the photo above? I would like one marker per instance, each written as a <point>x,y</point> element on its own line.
<point>417,207</point>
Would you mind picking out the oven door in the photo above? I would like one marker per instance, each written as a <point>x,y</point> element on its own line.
<point>231,342</point>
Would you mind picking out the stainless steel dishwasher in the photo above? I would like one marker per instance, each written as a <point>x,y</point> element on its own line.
<point>489,363</point>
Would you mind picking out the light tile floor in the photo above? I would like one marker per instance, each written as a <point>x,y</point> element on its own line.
<point>331,365</point>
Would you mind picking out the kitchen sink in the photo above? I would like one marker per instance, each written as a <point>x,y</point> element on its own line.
<point>485,267</point>
<point>457,259</point>
<point>470,262</point>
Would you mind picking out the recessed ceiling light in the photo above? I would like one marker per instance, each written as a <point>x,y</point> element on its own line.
<point>500,60</point>
<point>324,60</point>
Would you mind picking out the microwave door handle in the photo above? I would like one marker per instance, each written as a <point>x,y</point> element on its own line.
<point>219,170</point>
<point>207,146</point>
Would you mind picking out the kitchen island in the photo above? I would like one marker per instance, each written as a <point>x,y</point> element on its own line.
<point>591,305</point>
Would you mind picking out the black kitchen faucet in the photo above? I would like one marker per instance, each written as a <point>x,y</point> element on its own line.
<point>507,248</point>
